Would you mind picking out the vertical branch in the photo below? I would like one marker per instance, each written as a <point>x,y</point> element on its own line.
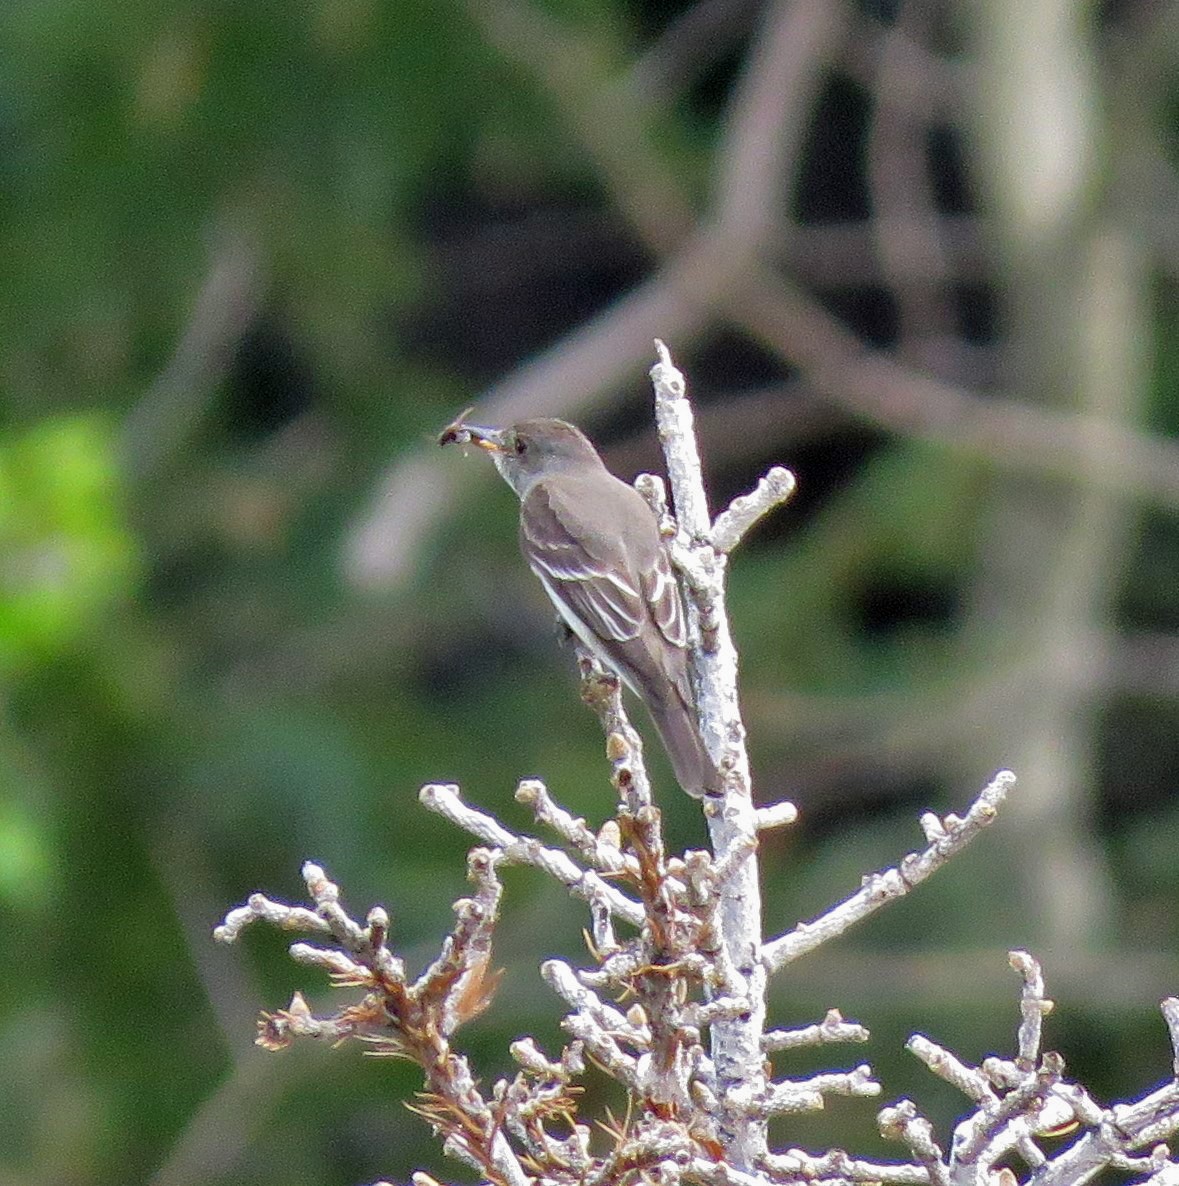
<point>1049,559</point>
<point>908,238</point>
<point>736,1042</point>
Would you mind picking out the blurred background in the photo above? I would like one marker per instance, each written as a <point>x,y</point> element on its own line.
<point>254,256</point>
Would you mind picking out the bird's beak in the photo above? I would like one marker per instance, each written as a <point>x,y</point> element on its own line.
<point>491,439</point>
<point>461,433</point>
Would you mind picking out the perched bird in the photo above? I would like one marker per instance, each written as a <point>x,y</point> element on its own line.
<point>595,545</point>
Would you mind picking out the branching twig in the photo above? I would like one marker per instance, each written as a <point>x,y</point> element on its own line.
<point>524,850</point>
<point>946,837</point>
<point>831,1029</point>
<point>408,1021</point>
<point>1034,1008</point>
<point>745,510</point>
<point>902,1122</point>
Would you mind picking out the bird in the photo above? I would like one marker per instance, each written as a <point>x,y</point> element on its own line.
<point>595,545</point>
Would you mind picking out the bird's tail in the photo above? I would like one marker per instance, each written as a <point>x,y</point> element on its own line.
<point>679,731</point>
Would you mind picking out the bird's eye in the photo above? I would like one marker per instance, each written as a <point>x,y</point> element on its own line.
<point>521,445</point>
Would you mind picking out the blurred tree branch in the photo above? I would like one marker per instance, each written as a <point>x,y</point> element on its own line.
<point>715,274</point>
<point>227,303</point>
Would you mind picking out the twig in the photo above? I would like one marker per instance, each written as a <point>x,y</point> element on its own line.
<point>605,856</point>
<point>946,838</point>
<point>398,1019</point>
<point>902,1122</point>
<point>807,1095</point>
<point>524,850</point>
<point>602,691</point>
<point>1034,1007</point>
<point>831,1029</point>
<point>746,509</point>
<point>835,1166</point>
<point>969,1080</point>
<point>588,1023</point>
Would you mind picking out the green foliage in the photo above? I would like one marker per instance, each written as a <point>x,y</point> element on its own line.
<point>67,550</point>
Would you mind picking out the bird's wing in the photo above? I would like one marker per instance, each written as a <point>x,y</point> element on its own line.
<point>613,580</point>
<point>599,556</point>
<point>662,595</point>
<point>589,570</point>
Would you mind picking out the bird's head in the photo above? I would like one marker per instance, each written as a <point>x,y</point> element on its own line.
<point>527,450</point>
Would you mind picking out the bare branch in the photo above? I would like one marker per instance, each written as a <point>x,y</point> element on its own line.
<point>524,850</point>
<point>776,816</point>
<point>831,1029</point>
<point>902,1122</point>
<point>600,850</point>
<point>736,1042</point>
<point>400,1020</point>
<point>946,838</point>
<point>835,1166</point>
<point>594,1023</point>
<point>968,1080</point>
<point>259,908</point>
<point>1034,1007</point>
<point>696,962</point>
<point>602,692</point>
<point>806,1095</point>
<point>746,509</point>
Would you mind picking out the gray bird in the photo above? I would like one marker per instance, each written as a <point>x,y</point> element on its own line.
<point>595,545</point>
